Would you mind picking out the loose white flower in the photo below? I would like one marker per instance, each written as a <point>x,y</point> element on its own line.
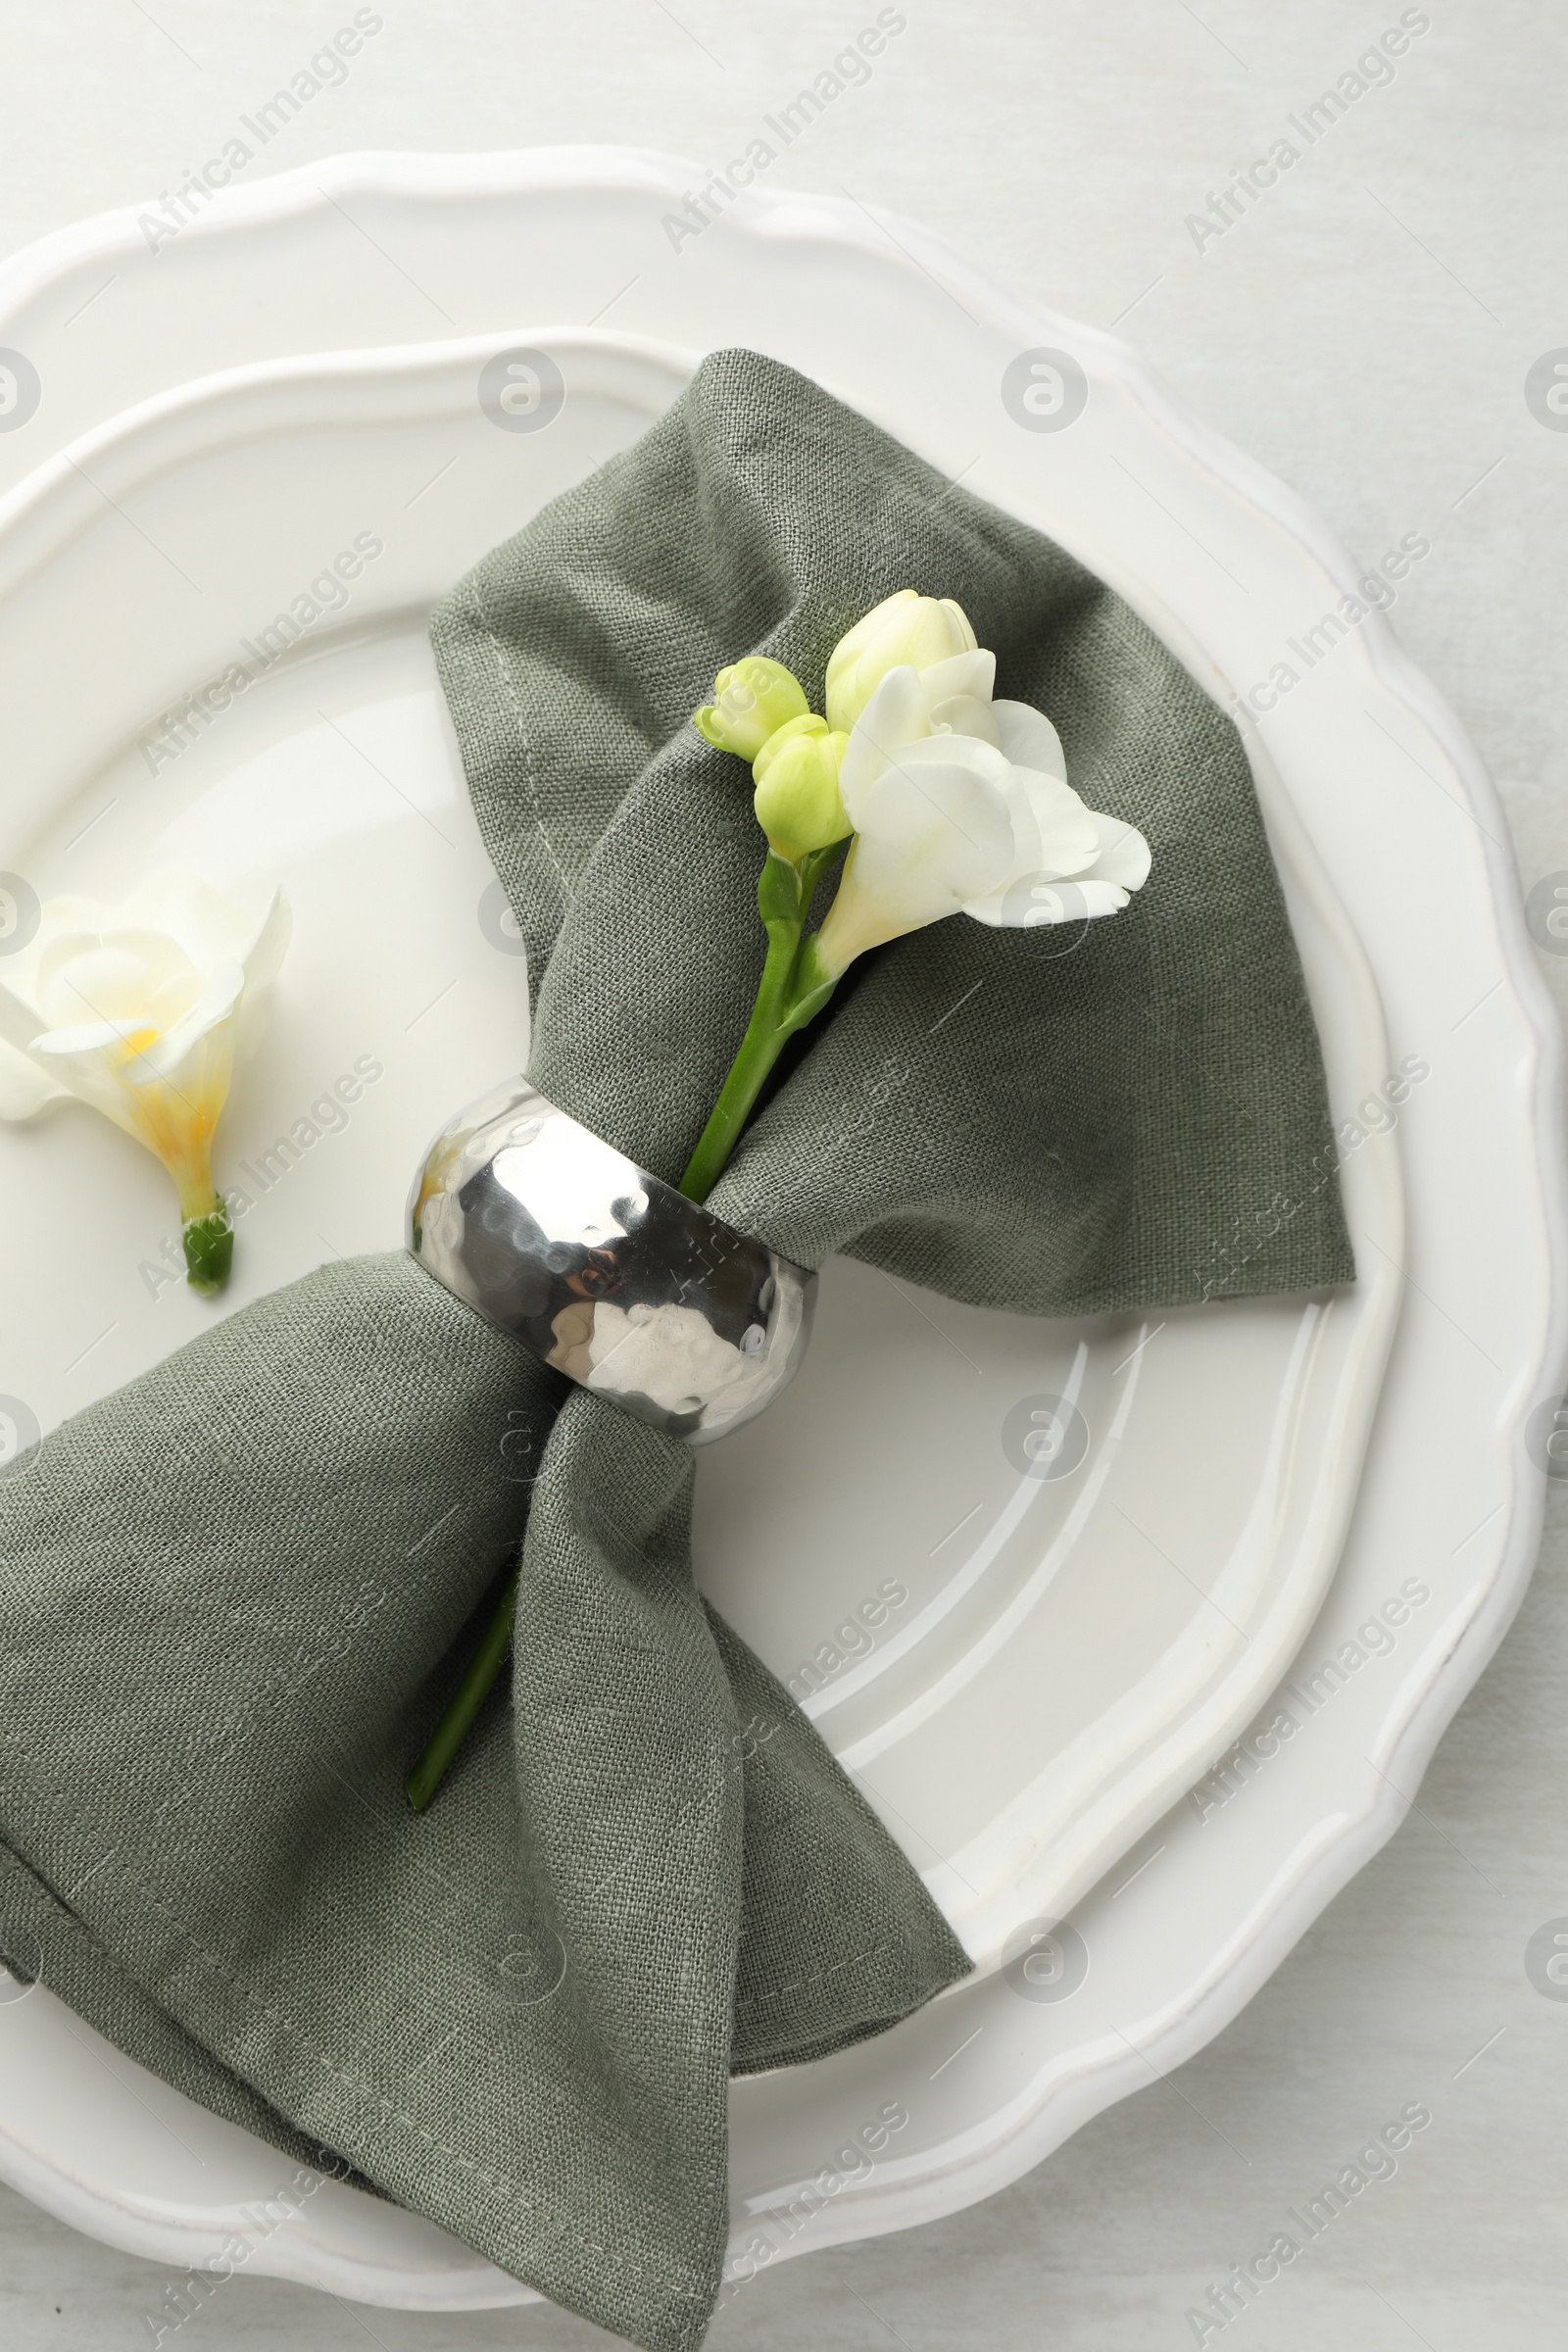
<point>133,1009</point>
<point>961,805</point>
<point>904,628</point>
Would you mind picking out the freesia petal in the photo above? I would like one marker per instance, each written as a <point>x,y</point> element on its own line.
<point>175,1115</point>
<point>265,952</point>
<point>55,917</point>
<point>972,674</point>
<point>962,714</point>
<point>88,1061</point>
<point>89,1037</point>
<point>19,1024</point>
<point>119,1045</point>
<point>59,952</point>
<point>934,831</point>
<point>1029,739</point>
<point>960,620</point>
<point>208,925</point>
<point>1035,901</point>
<point>936,629</point>
<point>904,628</point>
<point>853,641</point>
<point>118,973</point>
<point>1023,902</point>
<point>1054,834</point>
<point>1099,898</point>
<point>1124,855</point>
<point>70,912</point>
<point>951,788</point>
<point>26,1089</point>
<point>1065,838</point>
<point>215,1003</point>
<point>895,716</point>
<point>843,695</point>
<point>1020,904</point>
<point>168,986</point>
<point>170,1107</point>
<point>1058,883</point>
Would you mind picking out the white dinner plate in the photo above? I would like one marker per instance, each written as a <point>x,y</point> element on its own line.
<point>1084,1645</point>
<point>1048,1665</point>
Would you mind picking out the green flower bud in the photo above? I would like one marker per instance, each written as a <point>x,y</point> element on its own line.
<point>807,723</point>
<point>797,797</point>
<point>753,700</point>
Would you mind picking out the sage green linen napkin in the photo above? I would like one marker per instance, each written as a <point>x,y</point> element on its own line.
<point>230,1594</point>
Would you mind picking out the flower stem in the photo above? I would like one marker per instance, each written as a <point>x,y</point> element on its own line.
<point>783,899</point>
<point>759,1048</point>
<point>209,1241</point>
<point>469,1698</point>
<point>793,990</point>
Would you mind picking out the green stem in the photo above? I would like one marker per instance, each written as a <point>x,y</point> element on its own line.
<point>466,1701</point>
<point>761,1048</point>
<point>209,1241</point>
<point>783,899</point>
<point>793,990</point>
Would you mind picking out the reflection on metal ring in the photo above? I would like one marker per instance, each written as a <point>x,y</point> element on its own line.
<point>608,1273</point>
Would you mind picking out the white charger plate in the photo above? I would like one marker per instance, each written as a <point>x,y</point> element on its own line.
<point>1081,1645</point>
<point>989,2081</point>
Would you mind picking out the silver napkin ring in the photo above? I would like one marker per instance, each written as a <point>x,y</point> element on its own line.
<point>604,1270</point>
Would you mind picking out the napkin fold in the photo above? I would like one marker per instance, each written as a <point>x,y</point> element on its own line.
<point>232,1595</point>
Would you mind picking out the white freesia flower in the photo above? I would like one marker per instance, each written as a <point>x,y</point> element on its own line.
<point>904,628</point>
<point>960,803</point>
<point>955,804</point>
<point>133,1009</point>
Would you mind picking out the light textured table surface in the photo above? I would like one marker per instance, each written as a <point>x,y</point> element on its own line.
<point>1365,330</point>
